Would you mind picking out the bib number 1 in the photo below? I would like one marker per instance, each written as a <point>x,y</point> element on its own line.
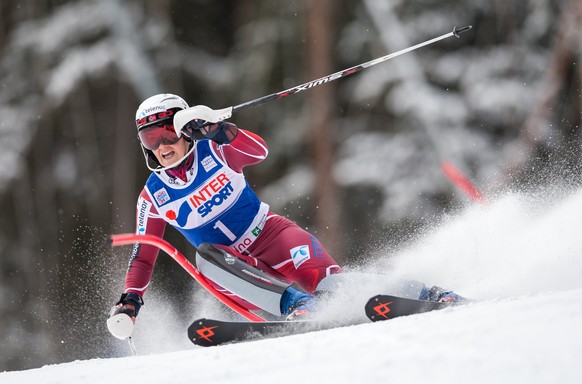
<point>220,226</point>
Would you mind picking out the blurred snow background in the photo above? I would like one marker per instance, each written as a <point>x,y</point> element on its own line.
<point>502,104</point>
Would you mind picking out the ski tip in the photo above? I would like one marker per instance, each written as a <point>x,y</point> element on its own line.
<point>458,31</point>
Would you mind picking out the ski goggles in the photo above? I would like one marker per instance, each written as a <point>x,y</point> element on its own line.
<point>152,136</point>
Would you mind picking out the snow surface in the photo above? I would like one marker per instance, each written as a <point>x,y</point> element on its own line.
<point>519,257</point>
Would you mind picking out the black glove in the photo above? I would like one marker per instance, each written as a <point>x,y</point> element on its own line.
<point>221,132</point>
<point>130,303</point>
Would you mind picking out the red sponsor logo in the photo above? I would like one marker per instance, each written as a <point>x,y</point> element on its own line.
<point>208,190</point>
<point>244,244</point>
<point>206,333</point>
<point>383,309</point>
<point>257,277</point>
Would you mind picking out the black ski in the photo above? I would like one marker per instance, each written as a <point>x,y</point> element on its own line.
<point>210,332</point>
<point>385,307</point>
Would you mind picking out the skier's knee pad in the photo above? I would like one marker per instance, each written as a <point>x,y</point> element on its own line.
<point>245,281</point>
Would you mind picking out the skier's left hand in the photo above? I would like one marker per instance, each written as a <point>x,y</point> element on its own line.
<point>123,314</point>
<point>221,132</point>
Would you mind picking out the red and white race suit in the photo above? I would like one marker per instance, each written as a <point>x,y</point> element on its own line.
<point>204,197</point>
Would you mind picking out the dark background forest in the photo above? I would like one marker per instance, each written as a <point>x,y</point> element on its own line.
<point>358,161</point>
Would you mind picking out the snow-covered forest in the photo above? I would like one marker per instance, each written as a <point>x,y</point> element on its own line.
<point>360,161</point>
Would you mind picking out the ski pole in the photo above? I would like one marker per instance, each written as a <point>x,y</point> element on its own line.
<point>346,72</point>
<point>183,117</point>
<point>132,346</point>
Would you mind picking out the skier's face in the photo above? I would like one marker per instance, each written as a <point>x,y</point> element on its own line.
<point>168,154</point>
<point>162,140</point>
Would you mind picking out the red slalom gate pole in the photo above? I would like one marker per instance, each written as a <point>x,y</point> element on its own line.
<point>132,238</point>
<point>462,182</point>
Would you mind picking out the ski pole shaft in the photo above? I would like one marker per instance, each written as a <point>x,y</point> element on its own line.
<point>132,346</point>
<point>184,116</point>
<point>346,72</point>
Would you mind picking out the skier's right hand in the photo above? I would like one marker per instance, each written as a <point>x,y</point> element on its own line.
<point>199,116</point>
<point>123,314</point>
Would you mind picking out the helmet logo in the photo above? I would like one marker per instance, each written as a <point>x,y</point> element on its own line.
<point>149,110</point>
<point>153,109</point>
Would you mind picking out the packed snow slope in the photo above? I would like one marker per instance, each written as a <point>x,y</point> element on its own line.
<point>519,258</point>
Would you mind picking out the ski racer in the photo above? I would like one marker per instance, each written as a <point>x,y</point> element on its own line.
<point>197,185</point>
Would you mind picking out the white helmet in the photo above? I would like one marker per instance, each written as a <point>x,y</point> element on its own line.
<point>158,108</point>
<point>154,110</point>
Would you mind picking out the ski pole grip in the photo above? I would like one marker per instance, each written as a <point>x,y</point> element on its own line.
<point>199,112</point>
<point>120,326</point>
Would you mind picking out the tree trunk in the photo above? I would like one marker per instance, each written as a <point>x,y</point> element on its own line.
<point>579,61</point>
<point>536,126</point>
<point>124,178</point>
<point>320,125</point>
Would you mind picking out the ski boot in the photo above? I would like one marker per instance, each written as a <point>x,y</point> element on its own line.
<point>440,295</point>
<point>297,305</point>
